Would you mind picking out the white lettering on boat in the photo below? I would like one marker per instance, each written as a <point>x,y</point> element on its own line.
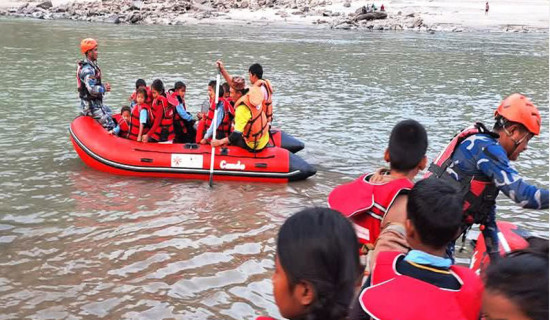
<point>232,166</point>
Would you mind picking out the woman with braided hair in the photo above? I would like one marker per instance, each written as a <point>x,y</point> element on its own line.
<point>316,266</point>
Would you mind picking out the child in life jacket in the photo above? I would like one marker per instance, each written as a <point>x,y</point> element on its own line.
<point>140,83</point>
<point>123,121</point>
<point>162,129</point>
<point>205,107</point>
<point>141,118</point>
<point>183,120</point>
<point>376,202</point>
<point>316,266</point>
<point>226,93</point>
<point>516,286</point>
<point>423,284</point>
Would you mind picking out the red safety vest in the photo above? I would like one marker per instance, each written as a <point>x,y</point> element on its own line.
<point>479,192</point>
<point>165,131</point>
<point>224,129</point>
<point>267,104</point>
<point>124,126</point>
<point>134,121</point>
<point>366,203</point>
<point>392,296</point>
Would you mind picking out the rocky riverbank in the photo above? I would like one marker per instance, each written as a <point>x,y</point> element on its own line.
<point>336,14</point>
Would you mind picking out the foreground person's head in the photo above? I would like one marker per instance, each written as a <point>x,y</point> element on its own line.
<point>516,286</point>
<point>316,265</point>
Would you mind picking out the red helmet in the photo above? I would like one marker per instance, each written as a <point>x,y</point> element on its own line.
<point>87,45</point>
<point>517,108</point>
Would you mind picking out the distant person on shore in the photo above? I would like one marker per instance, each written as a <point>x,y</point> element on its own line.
<point>376,202</point>
<point>486,7</point>
<point>316,266</point>
<point>516,286</point>
<point>90,88</point>
<point>382,8</point>
<point>255,73</point>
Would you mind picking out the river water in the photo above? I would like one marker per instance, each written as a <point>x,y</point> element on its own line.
<point>81,244</point>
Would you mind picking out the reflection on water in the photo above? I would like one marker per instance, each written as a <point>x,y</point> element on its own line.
<point>80,244</point>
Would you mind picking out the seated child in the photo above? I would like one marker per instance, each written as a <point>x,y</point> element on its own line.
<point>142,116</point>
<point>516,287</point>
<point>140,83</point>
<point>423,284</point>
<point>376,202</point>
<point>162,129</point>
<point>122,121</point>
<point>183,120</point>
<point>224,117</point>
<point>316,266</point>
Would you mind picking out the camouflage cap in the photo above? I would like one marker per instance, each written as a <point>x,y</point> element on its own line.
<point>238,83</point>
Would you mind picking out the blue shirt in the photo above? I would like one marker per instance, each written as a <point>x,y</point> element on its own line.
<point>143,116</point>
<point>424,258</point>
<point>482,155</point>
<point>221,115</point>
<point>183,113</point>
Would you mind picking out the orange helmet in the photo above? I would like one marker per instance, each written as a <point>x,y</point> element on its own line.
<point>87,45</point>
<point>517,108</point>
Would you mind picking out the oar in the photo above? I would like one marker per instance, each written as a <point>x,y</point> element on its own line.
<point>214,122</point>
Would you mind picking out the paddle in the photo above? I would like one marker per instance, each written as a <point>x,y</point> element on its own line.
<point>214,122</point>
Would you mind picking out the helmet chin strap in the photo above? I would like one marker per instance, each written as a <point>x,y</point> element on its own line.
<point>516,142</point>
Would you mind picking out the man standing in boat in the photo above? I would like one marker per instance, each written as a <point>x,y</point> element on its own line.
<point>90,88</point>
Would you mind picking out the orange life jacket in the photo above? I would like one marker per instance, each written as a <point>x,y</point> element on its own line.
<point>366,203</point>
<point>224,129</point>
<point>165,131</point>
<point>257,125</point>
<point>267,104</point>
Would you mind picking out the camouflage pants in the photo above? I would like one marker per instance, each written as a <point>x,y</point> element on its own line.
<point>98,111</point>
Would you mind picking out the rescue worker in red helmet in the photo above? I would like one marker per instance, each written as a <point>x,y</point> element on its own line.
<point>89,85</point>
<point>477,161</point>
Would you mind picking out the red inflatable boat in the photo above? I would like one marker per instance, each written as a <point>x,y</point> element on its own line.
<point>102,151</point>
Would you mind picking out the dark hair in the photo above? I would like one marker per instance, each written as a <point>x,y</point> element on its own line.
<point>522,276</point>
<point>407,146</point>
<point>125,108</point>
<point>212,84</point>
<point>179,84</point>
<point>140,82</point>
<point>225,87</point>
<point>501,123</point>
<point>142,91</point>
<point>435,210</point>
<point>318,245</point>
<point>257,70</point>
<point>158,86</point>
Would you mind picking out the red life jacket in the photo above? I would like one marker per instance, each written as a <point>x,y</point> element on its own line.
<point>224,129</point>
<point>366,204</point>
<point>479,192</point>
<point>123,125</point>
<point>134,121</point>
<point>267,104</point>
<point>392,296</point>
<point>83,92</point>
<point>165,131</point>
